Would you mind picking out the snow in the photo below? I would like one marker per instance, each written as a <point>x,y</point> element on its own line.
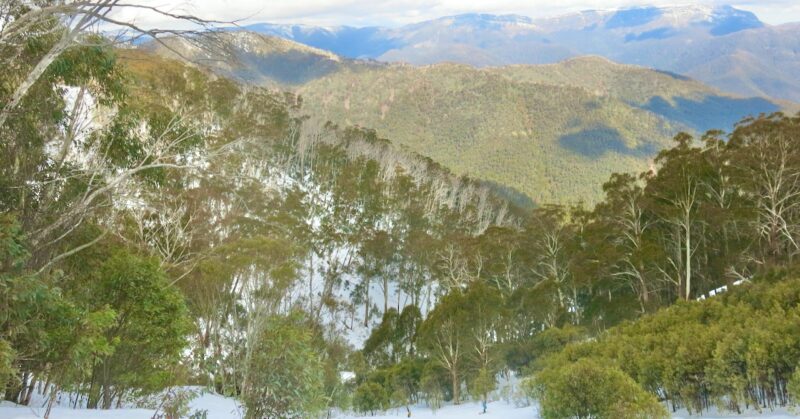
<point>781,413</point>
<point>503,410</point>
<point>219,407</point>
<point>8,411</point>
<point>495,410</point>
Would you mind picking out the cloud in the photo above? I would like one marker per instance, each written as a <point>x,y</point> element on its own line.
<point>396,12</point>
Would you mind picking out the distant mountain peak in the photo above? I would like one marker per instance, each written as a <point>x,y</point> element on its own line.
<point>486,17</point>
<point>257,43</point>
<point>478,21</point>
<point>632,17</point>
<point>722,45</point>
<point>727,19</point>
<point>723,19</point>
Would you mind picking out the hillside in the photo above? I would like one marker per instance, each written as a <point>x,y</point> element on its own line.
<point>236,225</point>
<point>553,143</point>
<point>552,132</point>
<point>257,59</point>
<point>722,46</point>
<point>676,98</point>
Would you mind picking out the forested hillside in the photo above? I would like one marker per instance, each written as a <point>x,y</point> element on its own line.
<point>157,221</point>
<point>627,295</point>
<point>164,226</point>
<point>544,134</point>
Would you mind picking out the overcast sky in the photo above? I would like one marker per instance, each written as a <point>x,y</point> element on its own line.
<point>397,12</point>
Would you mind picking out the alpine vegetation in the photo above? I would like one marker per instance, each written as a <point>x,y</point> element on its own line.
<point>179,241</point>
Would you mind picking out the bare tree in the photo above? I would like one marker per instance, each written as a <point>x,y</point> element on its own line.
<point>449,352</point>
<point>777,188</point>
<point>71,21</point>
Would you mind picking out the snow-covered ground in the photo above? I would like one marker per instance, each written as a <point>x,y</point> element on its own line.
<point>783,413</point>
<point>219,407</point>
<point>503,410</point>
<point>496,410</point>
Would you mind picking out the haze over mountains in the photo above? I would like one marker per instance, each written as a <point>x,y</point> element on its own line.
<point>725,47</point>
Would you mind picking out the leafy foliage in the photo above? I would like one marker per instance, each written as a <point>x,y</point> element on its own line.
<point>283,376</point>
<point>208,232</point>
<point>587,389</point>
<point>734,351</point>
<point>370,397</point>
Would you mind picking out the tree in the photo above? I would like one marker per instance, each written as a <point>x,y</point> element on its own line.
<point>431,385</point>
<point>370,397</point>
<point>66,24</point>
<point>380,346</point>
<point>766,163</point>
<point>149,330</point>
<point>676,191</point>
<point>624,230</point>
<point>460,329</point>
<point>483,384</point>
<point>283,370</point>
<point>446,337</point>
<point>547,241</point>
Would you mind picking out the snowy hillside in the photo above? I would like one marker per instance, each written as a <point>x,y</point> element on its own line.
<point>219,407</point>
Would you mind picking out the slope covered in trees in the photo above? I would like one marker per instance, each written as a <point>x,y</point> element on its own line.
<point>161,225</point>
<point>560,298</point>
<point>548,132</point>
<point>734,352</point>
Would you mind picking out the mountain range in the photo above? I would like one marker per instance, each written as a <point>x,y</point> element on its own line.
<point>548,133</point>
<point>722,46</point>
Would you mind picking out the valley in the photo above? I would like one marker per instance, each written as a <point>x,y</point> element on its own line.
<point>542,133</point>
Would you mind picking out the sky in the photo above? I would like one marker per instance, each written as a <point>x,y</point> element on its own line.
<point>398,12</point>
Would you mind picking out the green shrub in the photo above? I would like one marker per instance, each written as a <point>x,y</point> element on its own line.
<point>587,389</point>
<point>370,397</point>
<point>483,384</point>
<point>794,386</point>
<point>149,330</point>
<point>431,385</point>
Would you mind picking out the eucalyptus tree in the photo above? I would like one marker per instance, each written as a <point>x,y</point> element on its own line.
<point>66,25</point>
<point>766,163</point>
<point>676,193</point>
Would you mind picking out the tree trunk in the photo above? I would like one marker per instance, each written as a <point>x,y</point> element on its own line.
<point>34,75</point>
<point>29,393</point>
<point>366,303</point>
<point>311,283</point>
<point>51,401</point>
<point>456,385</point>
<point>688,256</point>
<point>386,294</point>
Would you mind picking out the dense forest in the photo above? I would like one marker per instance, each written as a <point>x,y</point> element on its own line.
<point>163,226</point>
<point>546,131</point>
